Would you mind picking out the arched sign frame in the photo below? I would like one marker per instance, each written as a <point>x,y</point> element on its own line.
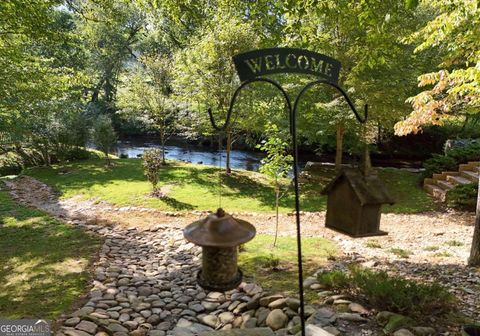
<point>250,67</point>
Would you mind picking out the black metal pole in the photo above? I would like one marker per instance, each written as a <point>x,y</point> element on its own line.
<point>293,127</point>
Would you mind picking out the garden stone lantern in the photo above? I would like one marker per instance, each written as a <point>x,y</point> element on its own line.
<point>219,235</point>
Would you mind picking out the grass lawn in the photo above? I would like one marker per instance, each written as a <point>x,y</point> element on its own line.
<point>43,262</point>
<point>196,187</point>
<point>258,255</point>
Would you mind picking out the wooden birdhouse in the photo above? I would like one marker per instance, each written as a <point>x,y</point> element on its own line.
<point>354,203</point>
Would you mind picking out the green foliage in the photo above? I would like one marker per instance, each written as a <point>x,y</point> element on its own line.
<point>400,252</point>
<point>391,293</point>
<point>152,163</point>
<point>271,262</point>
<point>204,70</point>
<point>278,161</point>
<point>454,243</point>
<point>372,243</point>
<point>146,96</point>
<point>454,89</point>
<point>463,154</point>
<point>437,164</point>
<point>463,196</point>
<point>449,162</point>
<point>10,164</point>
<point>432,248</point>
<point>104,135</point>
<point>258,252</point>
<point>400,295</point>
<point>335,280</point>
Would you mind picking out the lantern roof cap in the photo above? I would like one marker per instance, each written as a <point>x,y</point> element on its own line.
<point>219,230</point>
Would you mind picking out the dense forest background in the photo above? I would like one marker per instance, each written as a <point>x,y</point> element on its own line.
<point>153,67</point>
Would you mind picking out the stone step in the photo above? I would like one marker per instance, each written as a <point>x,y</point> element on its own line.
<point>443,176</point>
<point>470,175</point>
<point>465,166</point>
<point>240,332</point>
<point>457,180</point>
<point>435,191</point>
<point>445,185</point>
<point>474,163</point>
<point>429,180</point>
<point>439,184</point>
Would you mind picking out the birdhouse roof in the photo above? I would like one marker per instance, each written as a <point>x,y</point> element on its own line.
<point>369,189</point>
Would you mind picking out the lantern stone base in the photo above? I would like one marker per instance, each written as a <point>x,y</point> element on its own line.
<point>219,269</point>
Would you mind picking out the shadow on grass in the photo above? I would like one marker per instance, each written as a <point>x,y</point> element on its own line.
<point>177,205</point>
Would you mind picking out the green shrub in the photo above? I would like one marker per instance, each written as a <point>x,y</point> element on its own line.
<point>10,164</point>
<point>455,156</point>
<point>271,262</point>
<point>152,162</point>
<point>103,135</point>
<point>401,295</point>
<point>463,196</point>
<point>437,164</point>
<point>334,280</point>
<point>76,154</point>
<point>463,154</point>
<point>389,293</point>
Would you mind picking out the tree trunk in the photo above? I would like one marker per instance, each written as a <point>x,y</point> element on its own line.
<point>474,259</point>
<point>162,144</point>
<point>339,150</point>
<point>229,148</point>
<point>277,196</point>
<point>107,158</point>
<point>367,162</point>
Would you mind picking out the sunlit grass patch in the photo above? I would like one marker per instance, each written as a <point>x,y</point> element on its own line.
<point>258,258</point>
<point>193,186</point>
<point>43,262</point>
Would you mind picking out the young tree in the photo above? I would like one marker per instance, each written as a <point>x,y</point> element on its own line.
<point>455,88</point>
<point>152,163</point>
<point>104,135</point>
<point>276,165</point>
<point>205,72</point>
<point>147,93</point>
<point>378,68</point>
<point>110,31</point>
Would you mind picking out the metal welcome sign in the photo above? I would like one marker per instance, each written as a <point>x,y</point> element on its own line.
<point>283,60</point>
<point>252,67</point>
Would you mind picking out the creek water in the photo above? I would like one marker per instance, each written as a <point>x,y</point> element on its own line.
<point>240,159</point>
